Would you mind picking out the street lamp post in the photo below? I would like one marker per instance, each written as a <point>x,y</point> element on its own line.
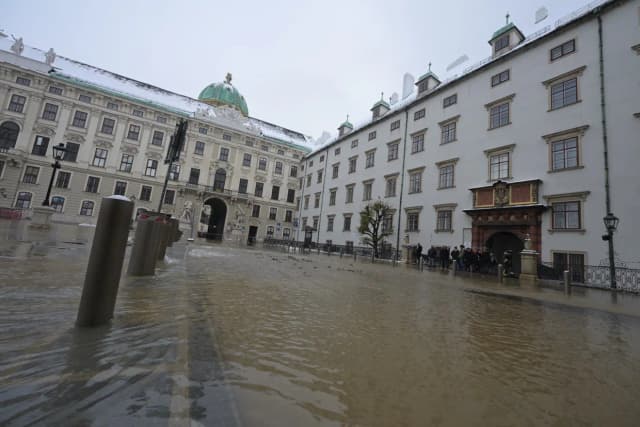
<point>58,154</point>
<point>611,224</point>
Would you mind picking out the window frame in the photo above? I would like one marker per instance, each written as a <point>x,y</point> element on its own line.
<point>501,102</point>
<point>417,142</point>
<point>94,180</point>
<point>415,180</point>
<point>563,136</point>
<point>100,156</point>
<point>393,149</point>
<point>450,100</point>
<point>47,113</point>
<point>419,114</point>
<point>501,77</point>
<point>151,165</point>
<point>562,79</point>
<point>21,200</point>
<point>498,151</point>
<point>103,127</point>
<point>370,158</point>
<point>125,162</point>
<point>562,51</point>
<point>77,121</point>
<point>17,103</point>
<point>84,207</point>
<point>132,133</point>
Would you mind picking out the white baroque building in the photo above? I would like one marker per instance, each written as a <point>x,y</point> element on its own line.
<point>236,177</point>
<point>542,138</point>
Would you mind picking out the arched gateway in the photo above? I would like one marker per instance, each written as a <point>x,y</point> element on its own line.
<point>217,218</point>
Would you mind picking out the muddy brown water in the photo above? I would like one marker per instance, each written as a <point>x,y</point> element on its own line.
<point>229,336</point>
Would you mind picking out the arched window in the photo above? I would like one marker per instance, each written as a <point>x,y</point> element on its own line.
<point>57,203</point>
<point>87,208</point>
<point>24,200</point>
<point>8,135</point>
<point>218,181</point>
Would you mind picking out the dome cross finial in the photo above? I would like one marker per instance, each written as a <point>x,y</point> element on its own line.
<point>429,66</point>
<point>381,96</point>
<point>228,78</point>
<point>507,16</point>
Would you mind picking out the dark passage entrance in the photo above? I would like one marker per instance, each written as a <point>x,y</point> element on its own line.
<point>502,241</point>
<point>215,231</point>
<point>253,232</point>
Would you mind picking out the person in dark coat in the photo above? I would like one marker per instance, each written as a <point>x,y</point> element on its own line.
<point>418,253</point>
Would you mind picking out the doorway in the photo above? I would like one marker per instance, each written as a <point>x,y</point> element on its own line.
<point>215,230</point>
<point>253,232</point>
<point>503,241</point>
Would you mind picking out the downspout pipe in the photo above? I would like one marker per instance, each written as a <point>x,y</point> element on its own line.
<point>404,152</point>
<point>324,181</point>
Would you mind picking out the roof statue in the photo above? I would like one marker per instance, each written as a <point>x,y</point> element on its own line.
<point>18,46</point>
<point>50,56</point>
<point>227,78</point>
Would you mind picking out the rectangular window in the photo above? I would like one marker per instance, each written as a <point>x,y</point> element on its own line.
<point>564,93</point>
<point>24,200</point>
<point>372,135</point>
<point>158,138</point>
<point>280,152</point>
<point>249,142</point>
<point>443,222</point>
<point>57,203</point>
<point>500,78</point>
<point>145,193</point>
<point>23,81</point>
<point>395,125</point>
<point>387,223</point>
<point>499,166</point>
<point>277,170</point>
<point>448,133</point>
<point>445,179</point>
<point>31,175</point>
<point>80,119</point>
<point>347,224</point>
<point>392,151</point>
<point>336,152</point>
<point>151,168</point>
<point>273,213</point>
<point>224,154</point>
<point>169,197</point>
<point>352,164</point>
<point>100,157</point>
<point>255,211</point>
<point>499,116</point>
<point>134,132</point>
<point>336,169</point>
<point>17,103</point>
<point>85,98</point>
<point>413,221</point>
<point>306,202</point>
<point>262,164</point>
<point>332,197</point>
<point>564,154</point>
<point>194,177</point>
<point>330,219</point>
<point>161,119</point>
<point>316,200</point>
<point>50,112</point>
<point>354,143</point>
<point>40,146</point>
<point>270,231</point>
<point>321,158</point>
<point>319,176</point>
<point>422,86</point>
<point>275,192</point>
<point>138,113</point>
<point>87,208</point>
<point>291,195</point>
<point>562,50</point>
<point>107,126</point>
<point>71,153</point>
<point>502,42</point>
<point>417,143</point>
<point>174,172</point>
<point>63,179</point>
<point>259,189</point>
<point>199,148</point>
<point>243,186</point>
<point>370,159</point>
<point>450,100</point>
<point>226,136</point>
<point>390,189</point>
<point>93,183</point>
<point>246,160</point>
<point>293,171</point>
<point>366,190</point>
<point>203,130</point>
<point>126,163</point>
<point>419,114</point>
<point>112,106</point>
<point>55,90</point>
<point>264,148</point>
<point>309,180</point>
<point>120,188</point>
<point>415,182</point>
<point>572,262</point>
<point>349,194</point>
<point>566,216</point>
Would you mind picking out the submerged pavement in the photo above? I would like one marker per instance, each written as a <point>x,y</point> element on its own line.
<point>234,336</point>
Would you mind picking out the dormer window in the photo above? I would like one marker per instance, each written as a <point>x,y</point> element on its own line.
<point>502,42</point>
<point>422,86</point>
<point>506,38</point>
<point>345,127</point>
<point>380,108</point>
<point>427,81</point>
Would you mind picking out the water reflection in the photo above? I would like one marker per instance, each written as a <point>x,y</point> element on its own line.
<point>226,336</point>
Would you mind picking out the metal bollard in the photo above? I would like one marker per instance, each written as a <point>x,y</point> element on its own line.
<point>500,273</point>
<point>142,261</point>
<point>567,282</point>
<point>354,255</point>
<point>102,279</point>
<point>341,252</point>
<point>421,264</point>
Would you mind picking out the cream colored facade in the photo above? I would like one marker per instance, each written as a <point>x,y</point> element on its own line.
<point>119,136</point>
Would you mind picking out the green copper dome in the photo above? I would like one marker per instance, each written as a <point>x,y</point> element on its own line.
<point>224,94</point>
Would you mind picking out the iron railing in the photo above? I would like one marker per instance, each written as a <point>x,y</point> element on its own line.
<point>593,276</point>
<point>387,252</point>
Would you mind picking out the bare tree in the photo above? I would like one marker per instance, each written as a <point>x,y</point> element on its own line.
<point>371,220</point>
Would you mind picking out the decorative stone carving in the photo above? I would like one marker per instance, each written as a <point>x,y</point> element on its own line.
<point>129,149</point>
<point>18,46</point>
<point>44,130</point>
<point>50,56</point>
<point>103,144</point>
<point>154,155</point>
<point>501,192</point>
<point>260,178</point>
<point>276,181</point>
<point>74,137</point>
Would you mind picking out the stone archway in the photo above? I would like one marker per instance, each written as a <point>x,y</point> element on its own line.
<point>217,218</point>
<point>502,241</point>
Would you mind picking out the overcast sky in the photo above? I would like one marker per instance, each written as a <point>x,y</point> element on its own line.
<point>300,64</point>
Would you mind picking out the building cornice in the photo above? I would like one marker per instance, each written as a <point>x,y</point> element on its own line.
<point>577,130</point>
<point>576,72</point>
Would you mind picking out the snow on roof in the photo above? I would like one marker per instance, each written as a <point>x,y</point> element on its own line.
<point>96,78</point>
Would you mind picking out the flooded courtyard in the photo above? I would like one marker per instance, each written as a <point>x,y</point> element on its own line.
<point>234,336</point>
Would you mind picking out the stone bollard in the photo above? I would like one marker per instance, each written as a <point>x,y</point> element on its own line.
<point>142,261</point>
<point>102,279</point>
<point>354,255</point>
<point>500,273</point>
<point>165,236</point>
<point>175,230</point>
<point>421,264</point>
<point>341,252</point>
<point>567,282</point>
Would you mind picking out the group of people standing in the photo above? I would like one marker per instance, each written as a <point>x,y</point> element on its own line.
<point>462,259</point>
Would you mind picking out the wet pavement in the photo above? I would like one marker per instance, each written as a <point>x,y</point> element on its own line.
<point>233,336</point>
